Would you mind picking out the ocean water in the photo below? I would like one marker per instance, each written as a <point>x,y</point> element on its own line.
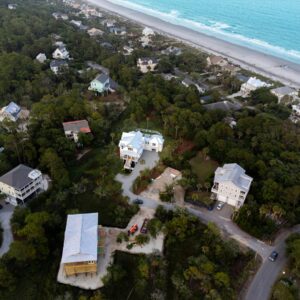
<point>270,26</point>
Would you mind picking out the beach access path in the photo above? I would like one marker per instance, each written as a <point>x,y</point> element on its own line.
<point>267,65</point>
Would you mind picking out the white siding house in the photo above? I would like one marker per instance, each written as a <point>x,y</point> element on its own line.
<point>147,64</point>
<point>133,144</point>
<point>61,53</point>
<point>251,85</point>
<point>20,183</point>
<point>231,185</point>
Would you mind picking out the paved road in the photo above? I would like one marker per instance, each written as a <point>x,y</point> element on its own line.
<point>222,221</point>
<point>267,274</point>
<point>265,278</point>
<point>5,215</point>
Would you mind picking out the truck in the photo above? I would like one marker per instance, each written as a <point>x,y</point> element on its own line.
<point>133,229</point>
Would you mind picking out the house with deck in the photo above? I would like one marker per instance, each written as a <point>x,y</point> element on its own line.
<point>80,250</point>
<point>215,60</point>
<point>147,64</point>
<point>251,85</point>
<point>21,183</point>
<point>72,129</point>
<point>285,94</point>
<point>103,84</point>
<point>231,185</point>
<point>134,143</point>
<point>10,112</point>
<point>60,16</point>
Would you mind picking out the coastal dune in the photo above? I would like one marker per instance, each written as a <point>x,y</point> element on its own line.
<point>267,65</point>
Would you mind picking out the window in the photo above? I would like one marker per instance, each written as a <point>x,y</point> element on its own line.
<point>130,149</point>
<point>153,144</point>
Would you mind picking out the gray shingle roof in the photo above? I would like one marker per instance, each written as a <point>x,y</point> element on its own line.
<point>17,177</point>
<point>223,105</point>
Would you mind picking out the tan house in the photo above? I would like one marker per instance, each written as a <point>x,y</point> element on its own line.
<point>215,60</point>
<point>147,64</point>
<point>94,32</point>
<point>80,251</point>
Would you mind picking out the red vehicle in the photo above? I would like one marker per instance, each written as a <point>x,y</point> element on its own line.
<point>144,226</point>
<point>133,229</point>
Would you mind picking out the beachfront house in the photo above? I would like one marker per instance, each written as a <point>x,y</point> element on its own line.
<point>285,94</point>
<point>61,53</point>
<point>146,41</point>
<point>148,31</point>
<point>251,85</point>
<point>172,51</point>
<point>108,23</point>
<point>90,12</point>
<point>215,60</point>
<point>231,185</point>
<point>80,250</point>
<point>94,32</point>
<point>10,112</point>
<point>72,129</point>
<point>57,66</point>
<point>147,64</point>
<point>41,58</point>
<point>103,84</point>
<point>232,69</point>
<point>20,183</point>
<point>117,30</point>
<point>133,144</point>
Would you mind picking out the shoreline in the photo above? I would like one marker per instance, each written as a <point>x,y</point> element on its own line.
<point>266,65</point>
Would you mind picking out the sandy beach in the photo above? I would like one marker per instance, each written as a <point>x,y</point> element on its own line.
<point>267,65</point>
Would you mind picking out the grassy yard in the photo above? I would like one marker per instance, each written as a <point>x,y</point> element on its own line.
<point>202,167</point>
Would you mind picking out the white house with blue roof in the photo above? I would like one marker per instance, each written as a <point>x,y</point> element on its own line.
<point>231,185</point>
<point>11,112</point>
<point>133,144</point>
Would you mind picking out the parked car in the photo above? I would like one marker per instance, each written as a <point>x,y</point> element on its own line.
<point>220,205</point>
<point>273,256</point>
<point>144,228</point>
<point>133,229</point>
<point>138,201</point>
<point>1,206</point>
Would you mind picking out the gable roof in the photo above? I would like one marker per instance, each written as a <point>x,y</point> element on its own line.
<point>103,78</point>
<point>132,138</point>
<point>81,238</point>
<point>58,63</point>
<point>13,109</point>
<point>18,177</point>
<point>235,174</point>
<point>77,126</point>
<point>284,90</point>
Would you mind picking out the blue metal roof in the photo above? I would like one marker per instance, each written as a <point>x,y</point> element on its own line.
<point>13,109</point>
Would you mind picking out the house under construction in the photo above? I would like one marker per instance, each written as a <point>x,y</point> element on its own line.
<point>80,252</point>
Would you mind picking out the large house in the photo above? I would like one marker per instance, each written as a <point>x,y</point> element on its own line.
<point>147,64</point>
<point>187,82</point>
<point>231,185</point>
<point>285,92</point>
<point>61,53</point>
<point>57,66</point>
<point>73,128</point>
<point>10,112</point>
<point>215,60</point>
<point>172,51</point>
<point>148,31</point>
<point>117,30</point>
<point>20,183</point>
<point>94,32</point>
<point>103,83</point>
<point>251,85</point>
<point>80,251</point>
<point>133,144</point>
<point>60,16</point>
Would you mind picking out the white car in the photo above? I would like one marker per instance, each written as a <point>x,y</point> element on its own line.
<point>220,205</point>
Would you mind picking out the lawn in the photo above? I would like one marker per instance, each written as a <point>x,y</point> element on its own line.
<point>204,168</point>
